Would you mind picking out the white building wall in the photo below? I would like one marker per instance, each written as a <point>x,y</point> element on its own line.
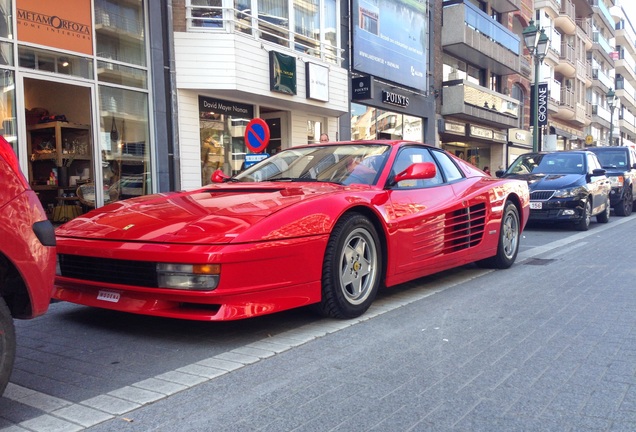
<point>236,67</point>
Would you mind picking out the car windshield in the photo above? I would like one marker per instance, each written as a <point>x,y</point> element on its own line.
<point>525,164</point>
<point>560,163</point>
<point>344,164</point>
<point>612,159</point>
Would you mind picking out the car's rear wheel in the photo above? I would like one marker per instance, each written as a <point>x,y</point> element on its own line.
<point>625,206</point>
<point>603,217</point>
<point>509,236</point>
<point>7,345</point>
<point>351,269</point>
<point>584,223</point>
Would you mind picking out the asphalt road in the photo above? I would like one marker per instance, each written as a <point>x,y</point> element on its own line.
<point>549,344</point>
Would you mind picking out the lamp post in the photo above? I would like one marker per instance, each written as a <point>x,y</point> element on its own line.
<point>611,102</point>
<point>537,43</point>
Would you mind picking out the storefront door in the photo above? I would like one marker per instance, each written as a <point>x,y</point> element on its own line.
<point>278,122</point>
<point>57,140</point>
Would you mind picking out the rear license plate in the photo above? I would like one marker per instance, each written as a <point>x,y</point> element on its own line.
<point>109,296</point>
<point>536,205</point>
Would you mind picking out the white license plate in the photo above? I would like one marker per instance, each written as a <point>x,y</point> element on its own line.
<point>536,205</point>
<point>109,296</point>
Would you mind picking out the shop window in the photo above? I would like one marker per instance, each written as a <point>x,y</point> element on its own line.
<point>125,148</point>
<point>5,19</point>
<point>55,62</point>
<point>222,136</point>
<point>119,31</point>
<point>7,108</point>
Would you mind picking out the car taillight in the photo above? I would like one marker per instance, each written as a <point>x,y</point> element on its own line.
<point>7,153</point>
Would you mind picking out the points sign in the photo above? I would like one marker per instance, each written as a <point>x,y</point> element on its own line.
<point>257,135</point>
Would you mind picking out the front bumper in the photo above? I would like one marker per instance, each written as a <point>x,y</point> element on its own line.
<point>558,210</point>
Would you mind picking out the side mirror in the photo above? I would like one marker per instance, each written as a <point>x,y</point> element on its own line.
<point>416,171</point>
<point>219,176</point>
<point>598,172</point>
<point>499,173</point>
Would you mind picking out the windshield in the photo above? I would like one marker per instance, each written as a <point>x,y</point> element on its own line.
<point>344,164</point>
<point>560,163</point>
<point>612,159</point>
<point>525,164</point>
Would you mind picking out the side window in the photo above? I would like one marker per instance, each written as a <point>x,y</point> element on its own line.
<point>632,158</point>
<point>409,156</point>
<point>592,163</point>
<point>450,170</point>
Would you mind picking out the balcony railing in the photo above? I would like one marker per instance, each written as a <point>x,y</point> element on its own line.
<point>484,24</point>
<point>568,98</point>
<point>599,39</point>
<point>321,44</point>
<point>555,91</point>
<point>601,112</point>
<point>604,10</point>
<point>598,74</point>
<point>482,97</point>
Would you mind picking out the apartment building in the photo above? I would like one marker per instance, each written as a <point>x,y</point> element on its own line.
<point>624,128</point>
<point>484,80</point>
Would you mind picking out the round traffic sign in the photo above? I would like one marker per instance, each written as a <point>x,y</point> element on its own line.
<point>257,135</point>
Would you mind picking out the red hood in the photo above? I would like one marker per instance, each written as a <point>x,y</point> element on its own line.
<point>215,214</point>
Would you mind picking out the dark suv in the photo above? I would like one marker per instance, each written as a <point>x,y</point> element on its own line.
<point>620,166</point>
<point>565,186</point>
<point>27,256</point>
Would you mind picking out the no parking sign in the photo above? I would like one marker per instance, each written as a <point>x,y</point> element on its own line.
<point>257,135</point>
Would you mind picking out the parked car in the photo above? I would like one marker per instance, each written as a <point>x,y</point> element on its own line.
<point>620,166</point>
<point>565,186</point>
<point>27,256</point>
<point>322,224</point>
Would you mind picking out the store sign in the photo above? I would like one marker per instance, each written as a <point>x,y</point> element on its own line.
<point>317,81</point>
<point>542,106</point>
<point>395,99</point>
<point>282,73</point>
<point>389,40</point>
<point>455,128</point>
<point>362,88</point>
<point>479,132</point>
<point>520,136</point>
<point>208,105</point>
<point>499,136</point>
<point>68,26</point>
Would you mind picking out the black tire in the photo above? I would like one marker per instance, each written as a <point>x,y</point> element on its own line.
<point>7,345</point>
<point>509,236</point>
<point>351,269</point>
<point>584,223</point>
<point>603,217</point>
<point>625,206</point>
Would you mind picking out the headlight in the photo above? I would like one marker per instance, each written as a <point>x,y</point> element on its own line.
<point>569,192</point>
<point>202,277</point>
<point>616,181</point>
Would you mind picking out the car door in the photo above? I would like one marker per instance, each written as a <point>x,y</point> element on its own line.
<point>599,185</point>
<point>418,215</point>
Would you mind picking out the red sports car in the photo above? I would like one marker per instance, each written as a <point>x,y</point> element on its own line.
<point>323,225</point>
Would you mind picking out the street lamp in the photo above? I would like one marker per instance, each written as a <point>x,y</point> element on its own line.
<point>537,43</point>
<point>611,102</point>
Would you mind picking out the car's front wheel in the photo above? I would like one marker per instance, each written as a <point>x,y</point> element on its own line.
<point>625,206</point>
<point>351,269</point>
<point>586,217</point>
<point>509,235</point>
<point>7,345</point>
<point>603,217</point>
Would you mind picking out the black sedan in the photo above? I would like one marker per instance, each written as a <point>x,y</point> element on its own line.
<point>620,164</point>
<point>565,186</point>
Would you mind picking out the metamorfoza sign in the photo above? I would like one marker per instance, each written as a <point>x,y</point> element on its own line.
<point>46,23</point>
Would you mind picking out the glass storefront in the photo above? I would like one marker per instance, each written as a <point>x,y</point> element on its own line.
<point>222,132</point>
<point>368,123</point>
<point>86,99</point>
